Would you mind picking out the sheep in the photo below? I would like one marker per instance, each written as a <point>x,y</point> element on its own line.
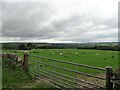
<point>61,53</point>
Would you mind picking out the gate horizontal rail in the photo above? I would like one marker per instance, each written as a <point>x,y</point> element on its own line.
<point>70,70</point>
<point>38,73</point>
<point>70,77</point>
<point>76,64</point>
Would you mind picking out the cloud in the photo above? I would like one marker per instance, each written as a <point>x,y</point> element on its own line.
<point>60,21</point>
<point>22,19</point>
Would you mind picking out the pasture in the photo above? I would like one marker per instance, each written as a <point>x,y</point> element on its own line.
<point>97,58</point>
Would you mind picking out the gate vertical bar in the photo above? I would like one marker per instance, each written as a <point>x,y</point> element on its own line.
<point>76,78</point>
<point>25,64</point>
<point>109,74</point>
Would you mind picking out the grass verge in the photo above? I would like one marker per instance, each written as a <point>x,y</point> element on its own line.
<point>15,77</point>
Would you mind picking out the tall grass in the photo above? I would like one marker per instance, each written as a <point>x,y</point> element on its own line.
<point>15,77</point>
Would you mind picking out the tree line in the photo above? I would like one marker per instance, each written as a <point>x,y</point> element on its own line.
<point>29,46</point>
<point>114,48</point>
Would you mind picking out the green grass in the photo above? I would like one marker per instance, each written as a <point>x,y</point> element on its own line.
<point>97,58</point>
<point>16,77</point>
<point>13,76</point>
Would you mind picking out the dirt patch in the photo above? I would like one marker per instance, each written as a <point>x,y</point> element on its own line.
<point>36,82</point>
<point>93,80</point>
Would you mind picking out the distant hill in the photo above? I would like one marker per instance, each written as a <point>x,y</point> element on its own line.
<point>91,45</point>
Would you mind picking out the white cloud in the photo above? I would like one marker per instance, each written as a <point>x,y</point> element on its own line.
<point>60,20</point>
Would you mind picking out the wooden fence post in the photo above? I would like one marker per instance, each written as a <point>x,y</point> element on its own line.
<point>25,64</point>
<point>109,75</point>
<point>117,79</point>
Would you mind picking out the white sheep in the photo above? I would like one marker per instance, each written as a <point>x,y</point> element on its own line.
<point>61,53</point>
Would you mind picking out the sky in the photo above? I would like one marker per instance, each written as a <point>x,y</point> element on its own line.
<point>59,21</point>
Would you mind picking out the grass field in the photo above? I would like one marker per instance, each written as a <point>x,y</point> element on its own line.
<point>97,58</point>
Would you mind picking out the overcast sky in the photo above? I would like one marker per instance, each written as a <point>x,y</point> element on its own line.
<point>57,21</point>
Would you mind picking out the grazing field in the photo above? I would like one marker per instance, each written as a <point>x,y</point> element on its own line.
<point>97,58</point>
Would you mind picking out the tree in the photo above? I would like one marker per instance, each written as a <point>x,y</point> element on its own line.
<point>22,47</point>
<point>29,46</point>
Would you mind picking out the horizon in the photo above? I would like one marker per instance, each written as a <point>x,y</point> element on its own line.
<point>58,43</point>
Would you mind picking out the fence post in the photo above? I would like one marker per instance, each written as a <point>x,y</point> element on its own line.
<point>117,79</point>
<point>109,74</point>
<point>25,60</point>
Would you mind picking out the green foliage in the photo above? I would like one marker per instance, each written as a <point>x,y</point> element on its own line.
<point>99,47</point>
<point>15,77</point>
<point>22,46</point>
<point>29,46</point>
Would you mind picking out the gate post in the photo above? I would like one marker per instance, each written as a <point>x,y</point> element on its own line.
<point>25,60</point>
<point>109,74</point>
<point>117,79</point>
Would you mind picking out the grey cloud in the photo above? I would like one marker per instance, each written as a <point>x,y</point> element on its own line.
<point>30,21</point>
<point>110,23</point>
<point>74,27</point>
<point>21,19</point>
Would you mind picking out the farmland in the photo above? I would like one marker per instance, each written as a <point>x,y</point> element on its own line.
<point>98,58</point>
